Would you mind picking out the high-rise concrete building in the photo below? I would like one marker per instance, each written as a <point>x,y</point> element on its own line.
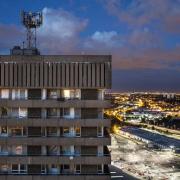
<point>52,125</point>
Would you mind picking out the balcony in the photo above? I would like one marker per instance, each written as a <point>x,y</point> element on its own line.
<point>55,103</point>
<point>55,141</point>
<point>36,159</point>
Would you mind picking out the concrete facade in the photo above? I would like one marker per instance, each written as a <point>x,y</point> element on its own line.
<point>51,117</point>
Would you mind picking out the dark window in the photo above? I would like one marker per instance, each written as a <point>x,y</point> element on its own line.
<point>34,112</point>
<point>34,150</point>
<point>34,169</point>
<point>34,131</point>
<point>34,94</point>
<point>89,94</point>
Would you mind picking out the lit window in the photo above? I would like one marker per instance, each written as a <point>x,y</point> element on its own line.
<point>53,94</point>
<point>5,93</point>
<point>66,130</point>
<point>78,131</point>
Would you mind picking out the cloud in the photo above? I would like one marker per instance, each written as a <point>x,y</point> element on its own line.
<point>154,58</point>
<point>103,40</point>
<point>140,48</point>
<point>139,13</point>
<point>58,34</point>
<point>104,37</point>
<point>60,31</point>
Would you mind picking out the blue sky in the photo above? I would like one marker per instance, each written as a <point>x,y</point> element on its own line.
<point>143,36</point>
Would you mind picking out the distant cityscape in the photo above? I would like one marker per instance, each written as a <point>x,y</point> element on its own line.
<point>145,134</point>
<point>160,109</point>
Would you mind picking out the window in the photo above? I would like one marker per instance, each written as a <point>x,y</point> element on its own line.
<point>52,150</point>
<point>78,131</point>
<point>66,111</point>
<point>34,93</point>
<point>17,131</point>
<point>24,131</point>
<point>22,93</point>
<point>43,131</point>
<point>17,150</point>
<point>66,94</point>
<point>53,94</point>
<point>54,169</point>
<point>22,112</point>
<point>15,112</point>
<point>4,168</point>
<point>77,94</point>
<point>18,168</point>
<point>3,112</point>
<point>99,168</point>
<point>66,130</point>
<point>78,169</point>
<point>3,150</point>
<point>16,94</point>
<point>43,169</point>
<point>3,131</point>
<point>66,168</point>
<point>23,168</point>
<point>100,131</point>
<point>77,113</point>
<point>52,112</point>
<point>66,150</point>
<point>15,168</point>
<point>5,93</point>
<point>71,94</point>
<point>51,131</point>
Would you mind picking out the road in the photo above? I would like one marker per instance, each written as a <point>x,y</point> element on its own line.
<point>118,174</point>
<point>133,161</point>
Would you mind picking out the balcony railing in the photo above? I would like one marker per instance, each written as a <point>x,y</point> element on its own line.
<point>47,117</point>
<point>50,98</point>
<point>53,174</point>
<point>53,136</point>
<point>64,154</point>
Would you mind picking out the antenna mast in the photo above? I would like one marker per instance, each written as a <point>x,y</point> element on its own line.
<point>31,21</point>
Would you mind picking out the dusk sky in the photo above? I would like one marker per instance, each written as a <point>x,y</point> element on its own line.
<point>143,36</point>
